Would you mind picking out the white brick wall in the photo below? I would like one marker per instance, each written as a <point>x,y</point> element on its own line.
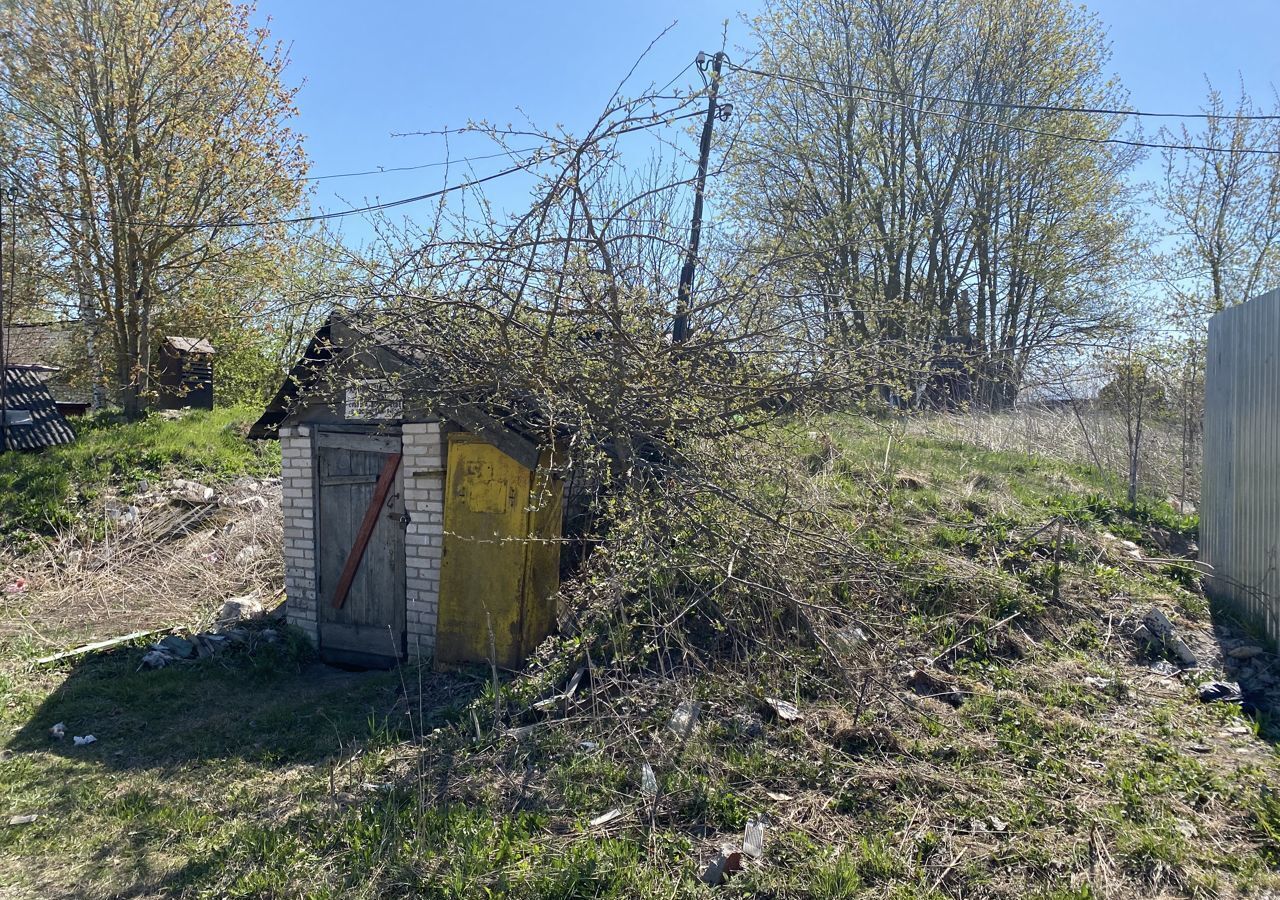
<point>422,482</point>
<point>299,528</point>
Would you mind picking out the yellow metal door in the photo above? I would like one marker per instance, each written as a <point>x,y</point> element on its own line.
<point>542,556</point>
<point>483,571</point>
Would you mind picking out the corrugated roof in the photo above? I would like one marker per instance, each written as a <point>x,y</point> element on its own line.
<point>189,345</point>
<point>25,392</point>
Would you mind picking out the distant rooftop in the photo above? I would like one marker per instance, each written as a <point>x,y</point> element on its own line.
<point>189,345</point>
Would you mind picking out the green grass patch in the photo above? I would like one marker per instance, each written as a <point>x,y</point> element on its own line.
<point>42,493</point>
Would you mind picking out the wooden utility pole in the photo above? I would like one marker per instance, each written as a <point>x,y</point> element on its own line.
<point>680,328</point>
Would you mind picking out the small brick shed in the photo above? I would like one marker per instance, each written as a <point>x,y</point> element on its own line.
<point>409,534</point>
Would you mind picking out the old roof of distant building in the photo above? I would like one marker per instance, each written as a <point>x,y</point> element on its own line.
<point>25,391</point>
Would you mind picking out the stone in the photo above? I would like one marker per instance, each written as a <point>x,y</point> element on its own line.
<point>1245,651</point>
<point>239,609</point>
<point>270,635</point>
<point>155,659</point>
<point>191,491</point>
<point>1158,631</point>
<point>176,646</point>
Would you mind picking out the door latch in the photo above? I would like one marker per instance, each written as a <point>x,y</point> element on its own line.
<point>403,518</point>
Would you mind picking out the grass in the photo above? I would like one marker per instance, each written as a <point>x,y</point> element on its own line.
<point>60,488</point>
<point>262,775</point>
<point>188,759</point>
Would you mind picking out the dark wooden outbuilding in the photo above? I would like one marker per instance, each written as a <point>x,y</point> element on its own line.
<point>185,373</point>
<point>31,418</point>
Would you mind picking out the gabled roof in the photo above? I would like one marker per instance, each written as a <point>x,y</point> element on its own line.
<point>336,341</point>
<point>51,350</point>
<point>39,343</point>
<point>301,377</point>
<point>25,392</point>
<point>189,344</point>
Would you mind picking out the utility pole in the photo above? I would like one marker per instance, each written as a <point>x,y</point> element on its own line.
<point>680,328</point>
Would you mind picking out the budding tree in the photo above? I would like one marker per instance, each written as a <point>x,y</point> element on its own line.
<point>153,143</point>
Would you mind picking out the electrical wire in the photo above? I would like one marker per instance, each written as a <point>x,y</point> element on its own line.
<point>536,158</point>
<point>1038,132</point>
<point>384,170</point>
<point>999,104</point>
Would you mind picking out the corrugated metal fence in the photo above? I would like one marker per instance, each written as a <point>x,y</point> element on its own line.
<point>1240,493</point>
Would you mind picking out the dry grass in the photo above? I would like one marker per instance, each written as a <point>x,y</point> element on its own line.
<point>1093,438</point>
<point>132,579</point>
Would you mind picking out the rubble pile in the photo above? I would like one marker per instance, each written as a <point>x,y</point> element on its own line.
<point>235,628</point>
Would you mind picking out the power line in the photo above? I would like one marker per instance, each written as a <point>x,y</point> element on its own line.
<point>1042,107</point>
<point>384,170</point>
<point>538,157</point>
<point>853,91</point>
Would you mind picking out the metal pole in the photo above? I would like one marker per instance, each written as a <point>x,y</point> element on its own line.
<point>680,328</point>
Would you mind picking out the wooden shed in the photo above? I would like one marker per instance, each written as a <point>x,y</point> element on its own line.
<point>184,374</point>
<point>409,533</point>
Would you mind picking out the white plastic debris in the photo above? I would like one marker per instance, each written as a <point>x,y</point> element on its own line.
<point>23,820</point>
<point>753,838</point>
<point>787,712</point>
<point>648,781</point>
<point>191,491</point>
<point>155,659</point>
<point>606,818</point>
<point>82,741</point>
<point>685,717</point>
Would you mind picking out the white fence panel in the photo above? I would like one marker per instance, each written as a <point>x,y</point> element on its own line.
<point>1240,492</point>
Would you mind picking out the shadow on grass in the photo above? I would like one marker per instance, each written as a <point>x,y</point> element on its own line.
<point>273,706</point>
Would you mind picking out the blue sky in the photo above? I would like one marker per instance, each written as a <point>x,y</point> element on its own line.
<point>380,66</point>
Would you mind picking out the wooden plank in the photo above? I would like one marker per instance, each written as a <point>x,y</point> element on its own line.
<point>365,443</point>
<point>366,528</point>
<point>337,480</point>
<point>97,645</point>
<point>380,640</point>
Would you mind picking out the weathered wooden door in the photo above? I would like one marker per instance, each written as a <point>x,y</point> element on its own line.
<point>369,627</point>
<point>483,571</point>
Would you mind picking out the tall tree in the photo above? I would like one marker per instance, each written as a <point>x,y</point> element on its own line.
<point>1222,207</point>
<point>154,143</point>
<point>902,154</point>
